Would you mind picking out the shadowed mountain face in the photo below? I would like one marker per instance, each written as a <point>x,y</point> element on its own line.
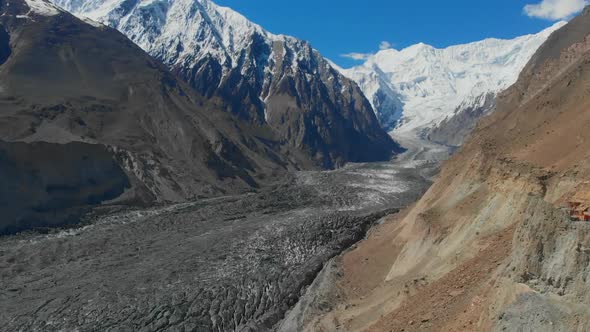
<point>63,80</point>
<point>41,179</point>
<point>4,45</point>
<point>310,105</point>
<point>271,80</point>
<point>454,130</point>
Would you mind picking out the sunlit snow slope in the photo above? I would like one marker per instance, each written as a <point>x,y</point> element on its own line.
<point>419,86</point>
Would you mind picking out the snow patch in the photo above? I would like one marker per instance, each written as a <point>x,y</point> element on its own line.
<point>41,7</point>
<point>92,22</point>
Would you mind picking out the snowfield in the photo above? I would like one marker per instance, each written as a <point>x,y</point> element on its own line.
<point>421,85</point>
<point>41,7</point>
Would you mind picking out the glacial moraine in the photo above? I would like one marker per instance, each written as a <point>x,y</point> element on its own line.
<point>235,263</point>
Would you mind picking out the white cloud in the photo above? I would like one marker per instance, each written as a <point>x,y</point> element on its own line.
<point>357,56</point>
<point>384,45</point>
<point>555,9</point>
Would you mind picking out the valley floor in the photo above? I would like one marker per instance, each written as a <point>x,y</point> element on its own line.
<point>229,263</point>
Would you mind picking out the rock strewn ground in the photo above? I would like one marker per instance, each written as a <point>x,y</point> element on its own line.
<point>231,263</point>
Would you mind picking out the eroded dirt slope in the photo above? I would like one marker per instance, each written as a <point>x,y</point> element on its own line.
<point>491,246</point>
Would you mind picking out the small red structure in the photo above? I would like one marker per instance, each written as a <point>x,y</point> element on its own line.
<point>578,211</point>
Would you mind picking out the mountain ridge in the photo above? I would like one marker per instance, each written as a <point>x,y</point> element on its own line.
<point>420,86</point>
<point>67,81</point>
<point>267,79</point>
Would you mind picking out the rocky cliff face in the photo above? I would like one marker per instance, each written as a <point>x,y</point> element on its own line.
<point>63,80</point>
<point>454,129</point>
<point>491,246</point>
<point>267,79</point>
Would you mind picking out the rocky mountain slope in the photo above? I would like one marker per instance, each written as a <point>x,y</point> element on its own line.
<point>267,79</point>
<point>455,128</point>
<point>421,86</point>
<point>492,245</point>
<point>63,80</point>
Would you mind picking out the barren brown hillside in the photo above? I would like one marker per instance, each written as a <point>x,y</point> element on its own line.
<point>491,246</point>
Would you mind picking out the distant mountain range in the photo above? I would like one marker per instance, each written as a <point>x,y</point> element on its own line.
<point>438,94</point>
<point>267,79</point>
<point>420,87</point>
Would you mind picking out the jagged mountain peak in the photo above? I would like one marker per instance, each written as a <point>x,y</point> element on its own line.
<point>431,83</point>
<point>177,30</point>
<point>266,79</point>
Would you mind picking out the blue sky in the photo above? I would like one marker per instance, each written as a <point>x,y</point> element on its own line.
<point>337,27</point>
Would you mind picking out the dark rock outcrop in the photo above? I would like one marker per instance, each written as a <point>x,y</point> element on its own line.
<point>311,107</point>
<point>45,184</point>
<point>4,45</point>
<point>454,130</point>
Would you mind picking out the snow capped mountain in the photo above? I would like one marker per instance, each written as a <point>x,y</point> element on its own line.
<point>264,78</point>
<point>176,31</point>
<point>420,86</point>
<point>42,8</point>
<point>185,34</point>
<point>221,53</point>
